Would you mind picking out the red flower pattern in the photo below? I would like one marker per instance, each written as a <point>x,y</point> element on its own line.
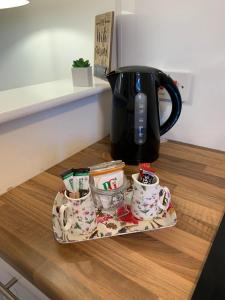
<point>105,218</point>
<point>170,206</point>
<point>128,217</point>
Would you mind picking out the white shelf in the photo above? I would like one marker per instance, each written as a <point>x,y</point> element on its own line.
<point>24,101</point>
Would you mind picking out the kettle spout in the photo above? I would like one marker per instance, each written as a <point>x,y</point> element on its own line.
<point>112,76</point>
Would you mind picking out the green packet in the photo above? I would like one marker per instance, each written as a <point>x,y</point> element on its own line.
<point>81,179</point>
<point>77,181</point>
<point>67,178</point>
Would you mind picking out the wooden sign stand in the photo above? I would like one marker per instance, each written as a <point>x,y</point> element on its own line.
<point>104,27</point>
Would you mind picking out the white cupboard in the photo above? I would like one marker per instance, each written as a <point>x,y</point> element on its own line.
<point>21,289</point>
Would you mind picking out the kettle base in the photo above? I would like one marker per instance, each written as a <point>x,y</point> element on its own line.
<point>134,162</point>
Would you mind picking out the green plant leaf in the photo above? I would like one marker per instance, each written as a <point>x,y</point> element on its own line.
<point>81,63</point>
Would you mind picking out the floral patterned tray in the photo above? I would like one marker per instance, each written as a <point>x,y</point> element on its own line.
<point>108,225</point>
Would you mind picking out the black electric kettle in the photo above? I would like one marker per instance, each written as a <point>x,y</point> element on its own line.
<point>135,128</point>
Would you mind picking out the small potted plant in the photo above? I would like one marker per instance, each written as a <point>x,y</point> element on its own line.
<point>82,73</point>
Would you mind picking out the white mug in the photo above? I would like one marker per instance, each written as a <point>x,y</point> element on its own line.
<point>78,215</point>
<point>149,200</point>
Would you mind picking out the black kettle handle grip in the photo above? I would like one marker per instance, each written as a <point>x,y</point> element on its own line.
<point>169,85</point>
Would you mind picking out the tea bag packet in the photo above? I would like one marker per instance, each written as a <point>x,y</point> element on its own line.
<point>147,174</point>
<point>76,182</point>
<point>67,178</point>
<point>108,176</point>
<point>81,181</point>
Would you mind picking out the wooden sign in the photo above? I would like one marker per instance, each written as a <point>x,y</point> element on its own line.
<point>104,25</point>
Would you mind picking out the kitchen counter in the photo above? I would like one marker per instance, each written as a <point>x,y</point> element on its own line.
<point>25,101</point>
<point>164,264</point>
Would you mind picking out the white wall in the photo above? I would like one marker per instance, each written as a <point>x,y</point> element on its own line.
<point>33,144</point>
<point>37,44</point>
<point>39,41</point>
<point>182,35</point>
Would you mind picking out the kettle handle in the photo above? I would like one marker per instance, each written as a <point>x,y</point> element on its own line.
<point>175,96</point>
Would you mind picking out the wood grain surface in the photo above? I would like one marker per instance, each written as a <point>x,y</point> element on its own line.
<point>164,264</point>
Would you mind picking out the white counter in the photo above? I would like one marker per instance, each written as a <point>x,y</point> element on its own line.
<point>24,101</point>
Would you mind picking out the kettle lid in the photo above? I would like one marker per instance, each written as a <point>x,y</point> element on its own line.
<point>136,69</point>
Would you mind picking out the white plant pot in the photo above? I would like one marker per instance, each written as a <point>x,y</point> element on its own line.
<point>82,76</point>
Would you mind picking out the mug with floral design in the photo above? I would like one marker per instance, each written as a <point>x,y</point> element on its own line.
<point>78,215</point>
<point>149,200</point>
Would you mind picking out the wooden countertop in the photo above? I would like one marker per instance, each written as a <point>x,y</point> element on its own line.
<point>163,264</point>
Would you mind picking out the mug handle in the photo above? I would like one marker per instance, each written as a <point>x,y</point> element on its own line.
<point>164,198</point>
<point>61,218</point>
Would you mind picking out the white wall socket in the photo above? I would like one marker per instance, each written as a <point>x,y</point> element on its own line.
<point>183,80</point>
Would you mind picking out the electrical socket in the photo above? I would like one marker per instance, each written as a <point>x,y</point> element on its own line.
<point>183,80</point>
